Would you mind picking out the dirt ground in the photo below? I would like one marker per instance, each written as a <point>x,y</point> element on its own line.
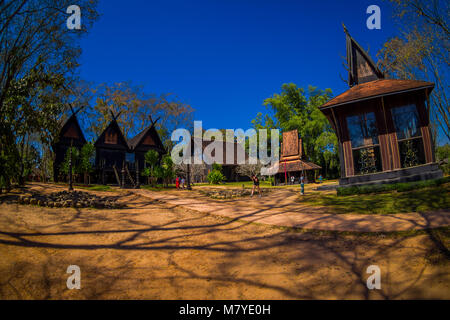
<point>155,251</point>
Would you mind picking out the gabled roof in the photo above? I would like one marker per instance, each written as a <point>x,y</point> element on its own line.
<point>72,120</point>
<point>115,126</point>
<point>297,165</point>
<point>135,141</point>
<point>374,89</point>
<point>225,146</point>
<point>361,68</point>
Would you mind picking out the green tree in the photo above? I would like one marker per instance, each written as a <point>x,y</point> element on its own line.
<point>87,154</point>
<point>167,169</point>
<point>151,171</point>
<point>75,153</point>
<point>135,105</point>
<point>421,51</point>
<point>443,157</point>
<point>39,55</point>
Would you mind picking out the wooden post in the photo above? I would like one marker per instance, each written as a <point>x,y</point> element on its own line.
<point>189,177</point>
<point>138,183</point>
<point>103,171</point>
<point>123,175</point>
<point>70,167</point>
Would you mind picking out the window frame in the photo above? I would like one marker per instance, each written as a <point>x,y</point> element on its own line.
<point>417,137</point>
<point>373,146</point>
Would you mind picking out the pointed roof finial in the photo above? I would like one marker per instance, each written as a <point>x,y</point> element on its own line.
<point>153,122</point>
<point>345,29</point>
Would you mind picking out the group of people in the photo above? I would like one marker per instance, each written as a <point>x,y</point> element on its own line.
<point>180,183</point>
<point>302,179</point>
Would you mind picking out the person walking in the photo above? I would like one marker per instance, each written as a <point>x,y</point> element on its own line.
<point>292,179</point>
<point>183,183</point>
<point>256,185</point>
<point>177,183</point>
<point>302,185</point>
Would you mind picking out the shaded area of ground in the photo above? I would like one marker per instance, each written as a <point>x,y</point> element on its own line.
<point>281,208</point>
<point>155,250</point>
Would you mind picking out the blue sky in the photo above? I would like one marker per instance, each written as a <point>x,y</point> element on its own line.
<point>225,57</point>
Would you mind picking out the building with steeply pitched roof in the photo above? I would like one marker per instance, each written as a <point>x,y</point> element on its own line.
<point>114,152</point>
<point>70,134</point>
<point>382,125</point>
<point>293,164</point>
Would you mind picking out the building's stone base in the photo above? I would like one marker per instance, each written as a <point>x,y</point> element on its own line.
<point>423,172</point>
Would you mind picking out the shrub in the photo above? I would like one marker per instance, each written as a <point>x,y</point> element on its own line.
<point>217,167</point>
<point>215,177</point>
<point>399,187</point>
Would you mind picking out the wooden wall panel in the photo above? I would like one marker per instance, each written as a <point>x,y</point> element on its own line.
<point>346,147</point>
<point>427,144</point>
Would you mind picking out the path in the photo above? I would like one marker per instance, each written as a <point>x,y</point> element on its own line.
<point>280,209</point>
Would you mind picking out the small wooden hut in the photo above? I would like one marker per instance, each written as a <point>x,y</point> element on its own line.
<point>382,125</point>
<point>292,162</point>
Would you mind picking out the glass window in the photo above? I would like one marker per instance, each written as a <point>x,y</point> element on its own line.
<point>409,136</point>
<point>406,121</point>
<point>363,132</point>
<point>129,157</point>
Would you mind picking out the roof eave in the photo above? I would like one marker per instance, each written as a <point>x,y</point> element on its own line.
<point>376,96</point>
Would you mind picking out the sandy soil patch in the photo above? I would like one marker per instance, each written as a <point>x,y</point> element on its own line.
<point>157,251</point>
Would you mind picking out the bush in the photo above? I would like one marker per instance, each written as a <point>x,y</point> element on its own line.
<point>400,187</point>
<point>215,177</point>
<point>217,167</point>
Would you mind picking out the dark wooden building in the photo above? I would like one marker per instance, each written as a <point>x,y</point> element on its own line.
<point>292,162</point>
<point>228,167</point>
<point>111,152</point>
<point>146,140</point>
<point>119,161</point>
<point>69,135</point>
<point>382,125</point>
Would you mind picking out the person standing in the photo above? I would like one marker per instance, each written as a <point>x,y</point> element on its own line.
<point>183,183</point>
<point>302,185</point>
<point>256,185</point>
<point>292,179</point>
<point>177,183</point>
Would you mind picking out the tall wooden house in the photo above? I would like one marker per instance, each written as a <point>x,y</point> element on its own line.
<point>70,134</point>
<point>147,139</point>
<point>121,161</point>
<point>111,151</point>
<point>382,125</point>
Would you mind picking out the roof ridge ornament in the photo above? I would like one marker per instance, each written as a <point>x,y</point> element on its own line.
<point>361,67</point>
